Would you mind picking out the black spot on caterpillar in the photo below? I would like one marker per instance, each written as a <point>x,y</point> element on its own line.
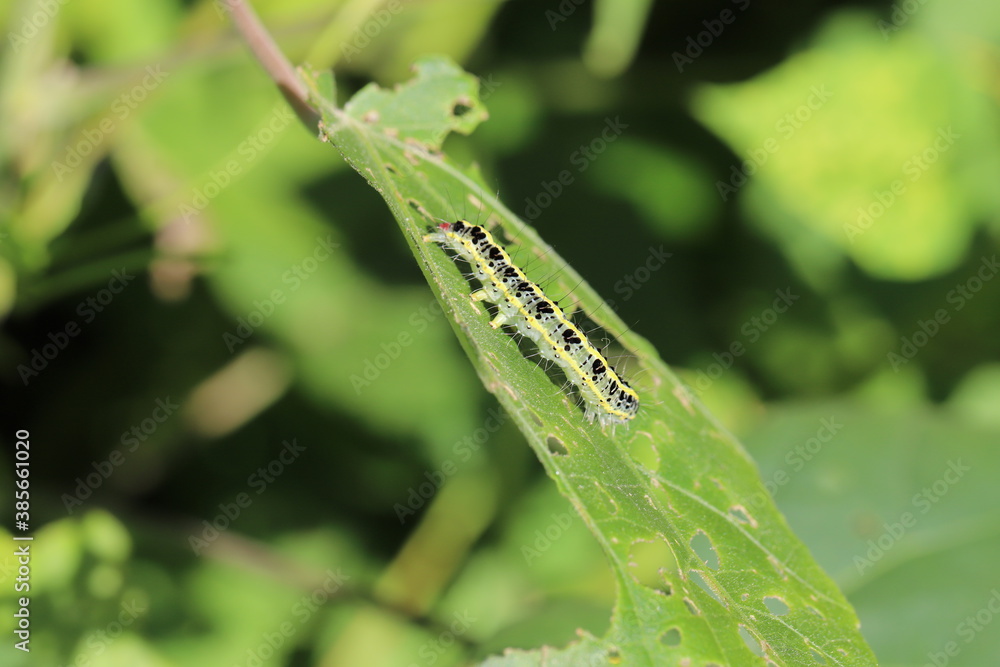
<point>607,397</point>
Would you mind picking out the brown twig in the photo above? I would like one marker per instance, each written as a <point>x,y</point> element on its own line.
<point>273,61</point>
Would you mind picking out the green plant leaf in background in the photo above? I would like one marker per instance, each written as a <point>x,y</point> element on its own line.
<point>903,505</point>
<point>701,577</point>
<point>898,127</point>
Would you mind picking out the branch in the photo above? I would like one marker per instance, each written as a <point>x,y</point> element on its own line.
<point>273,61</point>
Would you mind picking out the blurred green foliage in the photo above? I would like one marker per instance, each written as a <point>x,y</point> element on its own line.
<point>148,142</point>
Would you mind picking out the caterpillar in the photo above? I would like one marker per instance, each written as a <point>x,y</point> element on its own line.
<point>607,397</point>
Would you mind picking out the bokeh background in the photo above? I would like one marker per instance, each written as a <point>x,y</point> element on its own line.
<point>255,440</point>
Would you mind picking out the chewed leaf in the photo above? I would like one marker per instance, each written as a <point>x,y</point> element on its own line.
<point>666,497</point>
<point>440,99</point>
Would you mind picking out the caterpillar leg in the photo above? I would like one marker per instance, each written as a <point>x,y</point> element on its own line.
<point>500,320</point>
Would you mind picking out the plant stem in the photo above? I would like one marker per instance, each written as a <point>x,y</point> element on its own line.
<point>273,61</point>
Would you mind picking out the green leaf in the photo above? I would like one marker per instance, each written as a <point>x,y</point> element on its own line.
<point>614,39</point>
<point>903,504</point>
<point>832,150</point>
<point>700,576</point>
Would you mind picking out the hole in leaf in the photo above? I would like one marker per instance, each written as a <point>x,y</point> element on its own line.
<point>776,605</point>
<point>647,560</point>
<point>554,444</point>
<point>752,643</point>
<point>692,607</point>
<point>671,637</point>
<point>460,109</point>
<point>661,584</point>
<point>698,579</point>
<point>817,657</point>
<point>739,513</point>
<point>614,655</point>
<point>643,451</point>
<point>535,418</point>
<point>701,544</point>
<point>391,168</point>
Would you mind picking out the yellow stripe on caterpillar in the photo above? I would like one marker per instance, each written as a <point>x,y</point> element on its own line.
<point>607,397</point>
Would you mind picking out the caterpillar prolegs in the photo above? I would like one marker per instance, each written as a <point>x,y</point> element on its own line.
<point>607,397</point>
